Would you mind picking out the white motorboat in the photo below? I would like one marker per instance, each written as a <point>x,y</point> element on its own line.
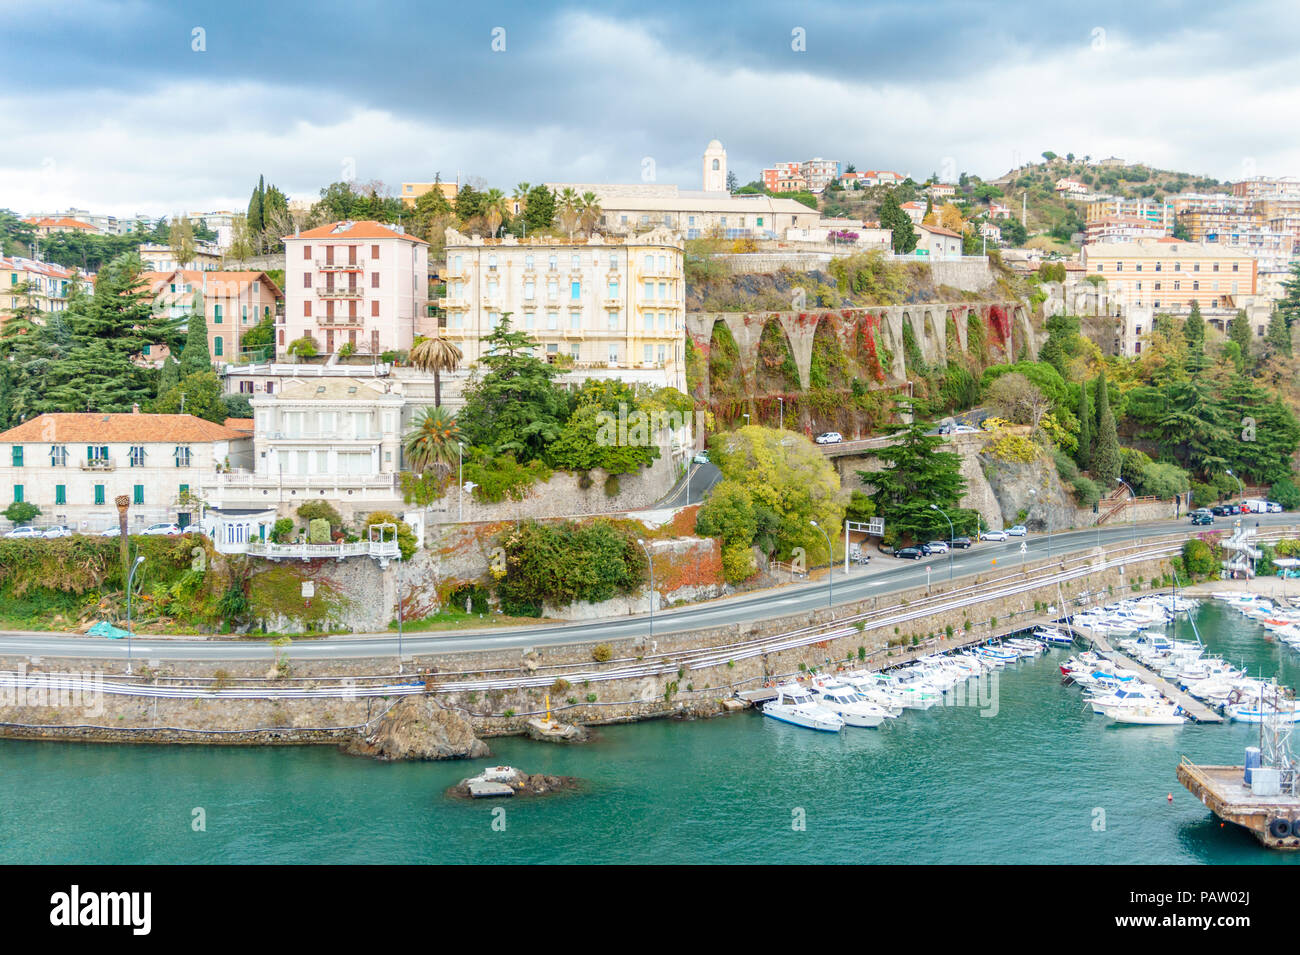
<point>849,705</point>
<point>796,705</point>
<point>1148,714</point>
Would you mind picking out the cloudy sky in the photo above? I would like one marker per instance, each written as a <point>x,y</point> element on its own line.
<point>154,107</point>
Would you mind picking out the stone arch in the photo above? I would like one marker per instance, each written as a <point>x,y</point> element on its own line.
<point>934,344</point>
<point>776,363</point>
<point>1020,318</point>
<point>828,359</point>
<point>958,316</point>
<point>729,365</point>
<point>891,326</point>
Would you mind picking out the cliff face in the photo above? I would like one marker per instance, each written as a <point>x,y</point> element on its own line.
<point>418,728</point>
<point>1024,493</point>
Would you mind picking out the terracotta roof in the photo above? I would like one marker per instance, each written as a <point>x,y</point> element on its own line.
<point>240,424</point>
<point>939,230</point>
<point>118,429</point>
<point>363,229</point>
<point>63,222</point>
<point>195,277</point>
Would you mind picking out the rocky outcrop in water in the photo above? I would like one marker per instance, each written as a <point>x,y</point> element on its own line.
<point>418,728</point>
<point>498,782</point>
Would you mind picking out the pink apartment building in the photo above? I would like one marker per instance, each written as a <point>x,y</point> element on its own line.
<point>363,284</point>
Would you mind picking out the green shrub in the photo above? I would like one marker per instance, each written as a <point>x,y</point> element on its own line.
<point>319,530</point>
<point>324,510</point>
<point>602,653</point>
<point>20,512</point>
<point>282,530</point>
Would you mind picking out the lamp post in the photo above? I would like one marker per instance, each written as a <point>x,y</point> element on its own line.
<point>951,534</point>
<point>830,567</point>
<point>1241,488</point>
<point>460,479</point>
<point>651,563</point>
<point>780,421</point>
<point>746,421</point>
<point>130,579</point>
<point>1133,496</point>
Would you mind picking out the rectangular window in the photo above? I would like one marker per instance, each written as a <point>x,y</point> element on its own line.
<point>649,321</point>
<point>648,354</point>
<point>306,311</point>
<point>18,455</point>
<point>216,314</point>
<point>306,251</point>
<point>575,290</point>
<point>182,455</point>
<point>374,251</point>
<point>374,309</point>
<point>613,320</point>
<point>59,456</point>
<point>217,351</point>
<point>137,455</point>
<point>575,321</point>
<point>60,494</point>
<point>552,320</point>
<point>649,290</point>
<point>18,493</point>
<point>306,280</point>
<point>137,494</point>
<point>99,494</point>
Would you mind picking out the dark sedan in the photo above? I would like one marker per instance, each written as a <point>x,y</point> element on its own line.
<point>962,542</point>
<point>911,553</point>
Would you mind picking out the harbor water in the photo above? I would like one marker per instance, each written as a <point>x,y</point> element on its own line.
<point>1042,781</point>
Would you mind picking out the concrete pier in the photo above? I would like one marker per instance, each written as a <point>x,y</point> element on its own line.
<point>1193,707</point>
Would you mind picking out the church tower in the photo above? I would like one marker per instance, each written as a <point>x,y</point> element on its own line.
<point>715,168</point>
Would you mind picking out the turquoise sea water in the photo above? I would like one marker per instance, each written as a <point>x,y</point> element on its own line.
<point>946,785</point>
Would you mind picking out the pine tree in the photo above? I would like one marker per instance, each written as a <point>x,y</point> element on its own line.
<point>1239,332</point>
<point>1085,427</point>
<point>893,217</point>
<point>1279,336</point>
<point>1194,334</point>
<point>1105,460</point>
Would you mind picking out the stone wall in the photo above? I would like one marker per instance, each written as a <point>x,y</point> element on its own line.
<point>695,690</point>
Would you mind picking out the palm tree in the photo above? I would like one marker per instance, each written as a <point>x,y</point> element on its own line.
<point>431,446</point>
<point>567,209</point>
<point>436,355</point>
<point>494,209</point>
<point>589,211</point>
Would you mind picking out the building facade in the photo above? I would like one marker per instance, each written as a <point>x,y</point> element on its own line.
<point>42,284</point>
<point>160,258</point>
<point>599,302</point>
<point>232,303</point>
<point>355,286</point>
<point>74,466</point>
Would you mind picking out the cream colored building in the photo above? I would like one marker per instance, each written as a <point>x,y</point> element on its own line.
<point>73,466</point>
<point>603,302</point>
<point>412,191</point>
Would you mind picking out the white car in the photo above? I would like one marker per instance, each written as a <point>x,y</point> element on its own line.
<point>58,530</point>
<point>937,547</point>
<point>964,429</point>
<point>993,535</point>
<point>166,530</point>
<point>29,531</point>
<point>1274,507</point>
<point>829,437</point>
<point>701,458</point>
<point>111,532</point>
<point>1018,531</point>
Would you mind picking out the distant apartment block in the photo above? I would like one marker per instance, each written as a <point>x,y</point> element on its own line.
<point>46,285</point>
<point>1169,275</point>
<point>160,258</point>
<point>360,284</point>
<point>1111,229</point>
<point>44,226</point>
<point>1109,207</point>
<point>1262,187</point>
<point>412,191</point>
<point>607,302</point>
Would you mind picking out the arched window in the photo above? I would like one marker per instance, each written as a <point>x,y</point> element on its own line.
<point>715,165</point>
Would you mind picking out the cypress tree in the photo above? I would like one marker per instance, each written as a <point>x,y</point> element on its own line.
<point>1085,427</point>
<point>195,356</point>
<point>1279,336</point>
<point>1105,459</point>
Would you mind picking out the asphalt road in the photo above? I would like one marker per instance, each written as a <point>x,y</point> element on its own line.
<point>883,575</point>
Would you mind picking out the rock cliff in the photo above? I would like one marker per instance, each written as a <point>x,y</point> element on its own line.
<point>418,728</point>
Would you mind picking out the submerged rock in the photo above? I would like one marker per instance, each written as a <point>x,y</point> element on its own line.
<point>498,782</point>
<point>418,728</point>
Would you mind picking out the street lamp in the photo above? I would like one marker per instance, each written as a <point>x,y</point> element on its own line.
<point>830,567</point>
<point>651,563</point>
<point>746,421</point>
<point>780,421</point>
<point>130,578</point>
<point>1241,488</point>
<point>951,535</point>
<point>1133,495</point>
<point>460,478</point>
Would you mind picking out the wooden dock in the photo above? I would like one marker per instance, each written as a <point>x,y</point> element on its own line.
<point>1193,707</point>
<point>1274,819</point>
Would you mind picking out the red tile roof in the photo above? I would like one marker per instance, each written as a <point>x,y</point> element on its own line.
<point>141,428</point>
<point>63,222</point>
<point>363,229</point>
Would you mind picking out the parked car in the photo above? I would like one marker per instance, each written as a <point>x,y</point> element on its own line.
<point>28,531</point>
<point>1274,507</point>
<point>829,437</point>
<point>165,530</point>
<point>945,429</point>
<point>1018,530</point>
<point>1219,510</point>
<point>57,530</point>
<point>962,542</point>
<point>701,458</point>
<point>964,429</point>
<point>937,547</point>
<point>111,532</point>
<point>911,553</point>
<point>1202,516</point>
<point>993,535</point>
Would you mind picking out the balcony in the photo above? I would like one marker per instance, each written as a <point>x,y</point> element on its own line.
<point>612,301</point>
<point>340,292</point>
<point>384,550</point>
<point>98,464</point>
<point>574,333</point>
<point>325,266</point>
<point>340,321</point>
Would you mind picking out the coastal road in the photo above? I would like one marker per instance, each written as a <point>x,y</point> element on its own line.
<point>884,575</point>
<point>692,491</point>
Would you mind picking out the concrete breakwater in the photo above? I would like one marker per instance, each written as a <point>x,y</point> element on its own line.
<point>676,675</point>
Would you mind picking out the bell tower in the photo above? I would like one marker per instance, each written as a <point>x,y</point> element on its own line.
<point>715,168</point>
